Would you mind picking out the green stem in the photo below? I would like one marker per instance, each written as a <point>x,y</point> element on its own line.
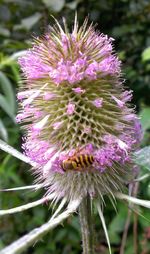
<point>87,231</point>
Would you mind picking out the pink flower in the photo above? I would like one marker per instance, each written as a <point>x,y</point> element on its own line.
<point>98,102</point>
<point>70,108</point>
<point>78,90</point>
<point>75,113</point>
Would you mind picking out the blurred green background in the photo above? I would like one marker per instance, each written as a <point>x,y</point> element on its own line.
<point>127,21</point>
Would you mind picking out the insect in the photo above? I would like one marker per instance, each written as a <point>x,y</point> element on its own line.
<point>77,162</point>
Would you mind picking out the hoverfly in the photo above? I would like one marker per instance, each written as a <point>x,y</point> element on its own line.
<point>77,162</point>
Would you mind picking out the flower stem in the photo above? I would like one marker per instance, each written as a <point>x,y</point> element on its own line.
<point>87,230</point>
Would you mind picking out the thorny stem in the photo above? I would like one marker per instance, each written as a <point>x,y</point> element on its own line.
<point>86,223</point>
<point>125,233</point>
<point>135,222</point>
<point>133,189</point>
<point>127,223</point>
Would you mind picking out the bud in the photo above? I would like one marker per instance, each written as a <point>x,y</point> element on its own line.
<point>80,129</point>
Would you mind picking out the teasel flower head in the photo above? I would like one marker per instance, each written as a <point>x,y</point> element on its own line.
<point>79,127</point>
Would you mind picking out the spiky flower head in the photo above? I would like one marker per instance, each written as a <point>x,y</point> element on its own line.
<point>80,129</point>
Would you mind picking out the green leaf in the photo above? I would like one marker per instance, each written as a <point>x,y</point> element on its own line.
<point>142,157</point>
<point>18,54</point>
<point>72,5</point>
<point>16,74</point>
<point>146,54</point>
<point>117,224</point>
<point>143,223</point>
<point>11,60</point>
<point>145,118</point>
<point>9,93</point>
<point>30,21</point>
<point>4,32</point>
<point>3,131</point>
<point>55,6</point>
<point>119,31</point>
<point>6,107</point>
<point>61,235</point>
<point>114,237</point>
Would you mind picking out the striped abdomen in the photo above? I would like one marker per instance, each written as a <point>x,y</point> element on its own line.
<point>78,162</point>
